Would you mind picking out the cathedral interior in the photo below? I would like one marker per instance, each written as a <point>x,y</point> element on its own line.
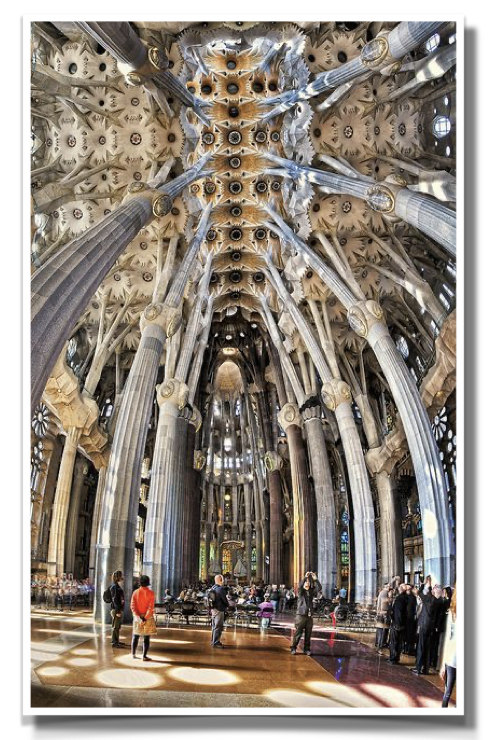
<point>243,332</point>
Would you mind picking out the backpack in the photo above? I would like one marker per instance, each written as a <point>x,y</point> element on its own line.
<point>107,596</point>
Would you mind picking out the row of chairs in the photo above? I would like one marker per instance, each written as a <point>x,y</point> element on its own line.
<point>198,613</point>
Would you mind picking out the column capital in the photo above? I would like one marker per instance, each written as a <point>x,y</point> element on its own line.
<point>364,315</point>
<point>156,60</point>
<point>161,202</point>
<point>199,460</point>
<point>289,415</point>
<point>272,461</point>
<point>173,391</point>
<point>311,409</point>
<point>196,417</point>
<point>167,318</point>
<point>335,392</point>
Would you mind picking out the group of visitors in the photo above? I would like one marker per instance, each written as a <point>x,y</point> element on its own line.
<point>419,621</point>
<point>50,592</point>
<point>220,598</point>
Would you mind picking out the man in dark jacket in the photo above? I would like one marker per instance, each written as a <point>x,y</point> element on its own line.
<point>117,607</point>
<point>307,591</point>
<point>218,606</point>
<point>411,622</point>
<point>426,625</point>
<point>398,624</point>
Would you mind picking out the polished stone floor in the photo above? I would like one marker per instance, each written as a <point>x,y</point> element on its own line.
<point>74,665</point>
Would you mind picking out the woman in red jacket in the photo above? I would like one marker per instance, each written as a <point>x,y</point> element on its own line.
<point>143,609</point>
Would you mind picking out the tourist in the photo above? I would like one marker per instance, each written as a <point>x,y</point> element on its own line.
<point>426,621</point>
<point>307,590</point>
<point>282,598</point>
<point>439,626</point>
<point>274,596</point>
<point>410,642</point>
<point>143,609</point>
<point>382,625</point>
<point>265,612</point>
<point>218,607</point>
<point>448,662</point>
<point>398,624</point>
<point>117,606</point>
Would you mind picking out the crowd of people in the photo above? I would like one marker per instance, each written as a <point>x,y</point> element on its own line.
<point>421,622</point>
<point>50,592</point>
<point>412,620</point>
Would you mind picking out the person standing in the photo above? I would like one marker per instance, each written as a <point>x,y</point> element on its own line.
<point>426,622</point>
<point>218,607</point>
<point>117,606</point>
<point>274,598</point>
<point>448,662</point>
<point>411,621</point>
<point>307,591</point>
<point>143,609</point>
<point>381,622</point>
<point>398,624</point>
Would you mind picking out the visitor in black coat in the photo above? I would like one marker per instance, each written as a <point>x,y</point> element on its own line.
<point>426,625</point>
<point>411,621</point>
<point>398,624</point>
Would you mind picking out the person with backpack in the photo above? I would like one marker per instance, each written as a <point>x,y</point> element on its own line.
<point>143,609</point>
<point>114,595</point>
<point>218,606</point>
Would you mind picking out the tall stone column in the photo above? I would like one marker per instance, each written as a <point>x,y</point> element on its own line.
<point>78,480</point>
<point>305,526</point>
<point>366,318</point>
<point>163,547</point>
<point>192,505</point>
<point>116,545</point>
<point>324,498</point>
<point>62,288</point>
<point>95,522</point>
<point>390,528</point>
<point>56,545</point>
<point>336,395</point>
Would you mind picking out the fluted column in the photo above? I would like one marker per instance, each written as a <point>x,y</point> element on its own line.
<point>62,288</point>
<point>56,544</point>
<point>366,318</point>
<point>95,522</point>
<point>305,556</point>
<point>324,498</point>
<point>390,528</point>
<point>163,547</point>
<point>73,514</point>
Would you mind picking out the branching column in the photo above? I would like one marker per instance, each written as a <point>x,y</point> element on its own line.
<point>56,545</point>
<point>324,498</point>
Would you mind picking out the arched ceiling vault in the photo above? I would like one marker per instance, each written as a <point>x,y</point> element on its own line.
<point>93,134</point>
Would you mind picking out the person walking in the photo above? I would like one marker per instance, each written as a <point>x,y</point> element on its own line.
<point>143,609</point>
<point>448,663</point>
<point>398,624</point>
<point>307,591</point>
<point>218,606</point>
<point>117,607</point>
